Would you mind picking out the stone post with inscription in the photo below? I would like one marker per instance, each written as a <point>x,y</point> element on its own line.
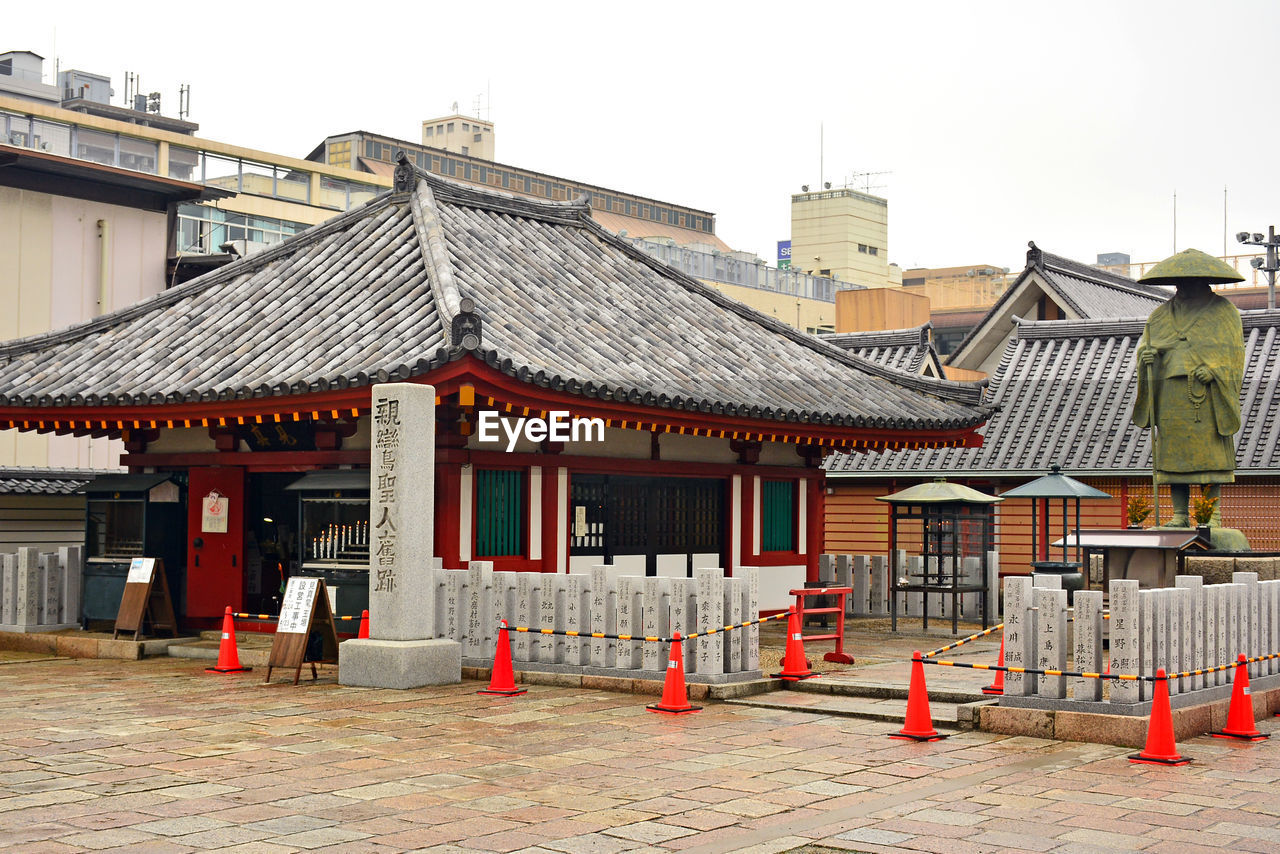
<point>401,652</point>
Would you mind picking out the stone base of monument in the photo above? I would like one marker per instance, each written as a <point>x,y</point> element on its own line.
<point>1228,540</point>
<point>371,663</point>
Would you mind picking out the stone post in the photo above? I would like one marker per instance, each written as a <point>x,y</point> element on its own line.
<point>480,638</point>
<point>845,578</point>
<point>1051,642</point>
<point>878,586</point>
<point>1193,636</point>
<point>710,583</point>
<point>657,607</point>
<point>1147,625</point>
<point>604,618</point>
<point>684,616</point>
<point>993,585</point>
<point>455,589</point>
<point>1125,631</point>
<point>750,576</point>
<point>1019,635</point>
<point>827,570</point>
<point>9,590</point>
<point>733,646</point>
<point>576,619</point>
<point>28,589</point>
<point>1086,636</point>
<point>1168,651</point>
<point>72,557</point>
<point>402,652</point>
<point>630,620</point>
<point>1250,616</point>
<point>550,616</point>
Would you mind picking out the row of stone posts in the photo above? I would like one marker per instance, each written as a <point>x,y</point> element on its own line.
<point>1192,626</point>
<point>868,576</point>
<point>467,604</point>
<point>41,591</point>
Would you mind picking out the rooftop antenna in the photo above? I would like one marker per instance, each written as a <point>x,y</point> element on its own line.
<point>184,100</point>
<point>822,170</point>
<point>864,178</point>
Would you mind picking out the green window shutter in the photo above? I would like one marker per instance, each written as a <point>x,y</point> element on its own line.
<point>500,513</point>
<point>777,516</point>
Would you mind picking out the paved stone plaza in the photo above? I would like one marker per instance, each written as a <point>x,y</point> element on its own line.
<point>155,755</point>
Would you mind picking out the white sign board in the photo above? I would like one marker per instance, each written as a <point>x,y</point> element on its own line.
<point>299,599</point>
<point>213,518</point>
<point>140,569</point>
<point>580,520</point>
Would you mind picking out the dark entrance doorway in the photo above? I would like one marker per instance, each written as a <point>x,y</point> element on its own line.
<point>650,516</point>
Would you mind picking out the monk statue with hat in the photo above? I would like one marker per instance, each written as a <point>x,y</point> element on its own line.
<point>1190,368</point>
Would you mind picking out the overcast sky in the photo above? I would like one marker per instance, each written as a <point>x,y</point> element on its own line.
<point>1068,123</point>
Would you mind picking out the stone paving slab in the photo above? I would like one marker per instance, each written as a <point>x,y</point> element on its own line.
<point>157,755</point>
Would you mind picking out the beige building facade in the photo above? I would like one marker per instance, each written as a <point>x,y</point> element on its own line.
<point>842,233</point>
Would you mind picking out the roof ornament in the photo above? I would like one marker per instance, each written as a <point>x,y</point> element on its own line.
<point>467,329</point>
<point>404,178</point>
<point>1035,255</point>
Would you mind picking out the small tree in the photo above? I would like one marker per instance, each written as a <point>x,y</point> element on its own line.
<point>1139,508</point>
<point>1202,509</point>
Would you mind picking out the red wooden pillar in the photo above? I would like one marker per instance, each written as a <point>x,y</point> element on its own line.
<point>448,513</point>
<point>550,518</point>
<point>747,520</point>
<point>814,516</point>
<point>215,560</point>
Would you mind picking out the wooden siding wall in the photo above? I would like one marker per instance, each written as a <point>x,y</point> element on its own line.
<point>42,521</point>
<point>858,524</point>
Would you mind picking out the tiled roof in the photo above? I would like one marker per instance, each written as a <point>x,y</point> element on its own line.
<point>1065,391</point>
<point>374,295</point>
<point>907,350</point>
<point>1083,290</point>
<point>44,481</point>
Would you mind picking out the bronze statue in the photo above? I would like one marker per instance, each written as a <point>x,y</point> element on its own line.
<point>1190,363</point>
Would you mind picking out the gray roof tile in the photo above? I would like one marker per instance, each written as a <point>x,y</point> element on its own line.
<point>372,294</point>
<point>1065,391</point>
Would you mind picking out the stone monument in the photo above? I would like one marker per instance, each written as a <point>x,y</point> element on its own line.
<point>1190,363</point>
<point>401,651</point>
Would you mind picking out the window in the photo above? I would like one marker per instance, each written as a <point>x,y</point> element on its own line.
<point>449,127</point>
<point>871,250</point>
<point>476,138</point>
<point>466,128</point>
<point>777,532</point>
<point>500,513</point>
<point>862,247</point>
<point>430,131</point>
<point>466,151</point>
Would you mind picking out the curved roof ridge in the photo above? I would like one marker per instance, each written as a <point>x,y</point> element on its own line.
<point>917,335</point>
<point>1099,276</point>
<point>946,389</point>
<point>172,296</point>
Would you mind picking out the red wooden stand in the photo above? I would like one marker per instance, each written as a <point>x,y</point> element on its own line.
<point>839,655</point>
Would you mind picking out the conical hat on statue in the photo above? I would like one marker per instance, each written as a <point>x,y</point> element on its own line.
<point>1191,265</point>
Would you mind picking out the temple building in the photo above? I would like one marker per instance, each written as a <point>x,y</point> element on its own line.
<point>243,398</point>
<point>1059,347</point>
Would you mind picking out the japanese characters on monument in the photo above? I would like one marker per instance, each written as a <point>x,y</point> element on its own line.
<point>401,511</point>
<point>386,425</point>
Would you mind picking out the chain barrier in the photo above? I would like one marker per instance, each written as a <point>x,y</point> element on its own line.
<point>268,617</point>
<point>571,633</point>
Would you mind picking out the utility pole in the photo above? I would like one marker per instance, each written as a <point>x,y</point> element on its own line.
<point>1271,264</point>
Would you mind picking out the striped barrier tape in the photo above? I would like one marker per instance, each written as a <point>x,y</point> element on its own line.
<point>276,617</point>
<point>962,641</point>
<point>1121,677</point>
<point>570,633</point>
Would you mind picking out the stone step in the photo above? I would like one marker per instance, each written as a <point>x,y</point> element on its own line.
<point>252,654</point>
<point>879,690</point>
<point>891,710</point>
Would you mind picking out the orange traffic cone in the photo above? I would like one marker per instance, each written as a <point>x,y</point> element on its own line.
<point>794,665</point>
<point>364,625</point>
<point>919,723</point>
<point>997,687</point>
<point>1160,749</point>
<point>1240,723</point>
<point>675,697</point>
<point>503,680</point>
<point>228,656</point>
